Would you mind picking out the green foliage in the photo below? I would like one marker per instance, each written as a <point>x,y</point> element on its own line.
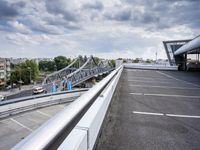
<point>61,62</point>
<point>47,65</point>
<point>24,71</point>
<point>113,62</point>
<point>136,60</point>
<point>149,61</point>
<point>97,60</point>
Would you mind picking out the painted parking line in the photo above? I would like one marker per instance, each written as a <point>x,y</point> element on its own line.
<point>165,95</point>
<point>186,82</point>
<point>20,124</point>
<point>167,87</point>
<point>148,81</point>
<point>148,113</point>
<point>150,78</point>
<point>169,115</point>
<point>44,114</point>
<point>183,116</point>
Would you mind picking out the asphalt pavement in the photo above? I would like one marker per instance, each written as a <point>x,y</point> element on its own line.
<point>15,128</point>
<point>153,110</point>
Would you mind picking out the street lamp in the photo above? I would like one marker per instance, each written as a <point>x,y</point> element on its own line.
<point>20,79</point>
<point>29,74</point>
<point>55,68</point>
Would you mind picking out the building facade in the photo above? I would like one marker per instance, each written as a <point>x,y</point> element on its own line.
<point>5,71</point>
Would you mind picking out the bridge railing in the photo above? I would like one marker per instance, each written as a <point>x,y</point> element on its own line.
<point>51,134</point>
<point>21,99</point>
<point>19,105</point>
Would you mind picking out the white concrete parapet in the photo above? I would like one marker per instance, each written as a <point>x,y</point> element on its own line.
<point>150,66</point>
<point>90,124</point>
<point>21,106</point>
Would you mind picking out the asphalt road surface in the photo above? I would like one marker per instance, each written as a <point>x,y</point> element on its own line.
<point>23,93</point>
<point>28,92</point>
<point>15,128</point>
<point>153,110</point>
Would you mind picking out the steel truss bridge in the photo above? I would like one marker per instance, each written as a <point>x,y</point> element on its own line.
<point>80,70</point>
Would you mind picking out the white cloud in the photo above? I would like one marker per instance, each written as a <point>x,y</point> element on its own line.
<point>19,27</point>
<point>110,29</point>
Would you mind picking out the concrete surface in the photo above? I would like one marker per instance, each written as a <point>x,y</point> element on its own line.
<point>153,110</point>
<point>15,128</point>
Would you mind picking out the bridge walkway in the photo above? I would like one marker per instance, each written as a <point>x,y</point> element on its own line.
<point>153,110</point>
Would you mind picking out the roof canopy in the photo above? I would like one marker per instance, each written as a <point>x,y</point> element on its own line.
<point>190,47</point>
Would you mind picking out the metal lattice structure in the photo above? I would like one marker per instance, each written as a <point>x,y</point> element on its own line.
<point>80,70</point>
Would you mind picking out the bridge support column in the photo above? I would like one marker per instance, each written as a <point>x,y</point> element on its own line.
<point>185,62</point>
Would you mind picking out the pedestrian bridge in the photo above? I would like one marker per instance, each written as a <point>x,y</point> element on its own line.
<point>80,70</point>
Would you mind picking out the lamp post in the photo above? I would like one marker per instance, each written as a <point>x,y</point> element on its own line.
<point>156,56</point>
<point>29,74</point>
<point>20,79</point>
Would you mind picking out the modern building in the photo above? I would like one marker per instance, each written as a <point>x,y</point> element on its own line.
<point>5,70</point>
<point>184,53</point>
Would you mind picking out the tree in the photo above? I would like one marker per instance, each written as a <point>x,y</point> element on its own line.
<point>97,60</point>
<point>25,71</point>
<point>61,62</point>
<point>149,61</point>
<point>113,62</point>
<point>136,60</point>
<point>46,65</point>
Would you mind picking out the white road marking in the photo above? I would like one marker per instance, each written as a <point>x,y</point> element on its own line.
<point>148,113</point>
<point>183,116</point>
<point>137,93</point>
<point>169,76</point>
<point>167,87</point>
<point>61,106</point>
<point>150,78</point>
<point>45,114</point>
<point>21,124</point>
<point>137,70</point>
<point>165,95</point>
<point>149,81</point>
<point>169,115</point>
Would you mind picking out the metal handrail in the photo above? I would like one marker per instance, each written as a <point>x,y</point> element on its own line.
<point>52,133</point>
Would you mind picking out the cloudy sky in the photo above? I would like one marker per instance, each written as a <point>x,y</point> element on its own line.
<point>104,28</point>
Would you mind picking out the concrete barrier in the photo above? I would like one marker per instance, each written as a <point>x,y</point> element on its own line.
<point>90,124</point>
<point>18,107</point>
<point>150,67</point>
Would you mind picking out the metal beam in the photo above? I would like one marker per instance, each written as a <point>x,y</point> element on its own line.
<point>190,46</point>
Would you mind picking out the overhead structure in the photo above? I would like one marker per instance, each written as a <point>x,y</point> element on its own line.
<point>170,49</point>
<point>191,47</point>
<point>80,70</point>
<point>184,53</point>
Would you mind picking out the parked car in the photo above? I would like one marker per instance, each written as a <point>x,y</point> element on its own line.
<point>38,90</point>
<point>2,98</point>
<point>8,87</point>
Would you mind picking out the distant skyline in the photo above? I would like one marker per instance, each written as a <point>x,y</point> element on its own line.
<point>103,28</point>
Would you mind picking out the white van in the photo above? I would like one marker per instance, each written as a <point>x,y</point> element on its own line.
<point>2,98</point>
<point>38,90</point>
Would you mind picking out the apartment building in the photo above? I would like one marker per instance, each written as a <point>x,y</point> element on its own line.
<point>5,70</point>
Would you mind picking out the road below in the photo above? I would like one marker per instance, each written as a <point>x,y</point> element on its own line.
<point>153,110</point>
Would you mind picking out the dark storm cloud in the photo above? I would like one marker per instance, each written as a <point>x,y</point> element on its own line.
<point>121,15</point>
<point>60,7</point>
<point>157,14</point>
<point>93,5</point>
<point>9,10</point>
